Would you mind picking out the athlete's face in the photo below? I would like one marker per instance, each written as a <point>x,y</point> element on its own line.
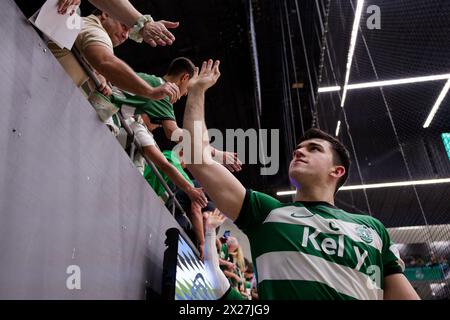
<point>312,163</point>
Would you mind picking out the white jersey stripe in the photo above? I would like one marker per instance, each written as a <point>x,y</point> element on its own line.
<point>291,265</point>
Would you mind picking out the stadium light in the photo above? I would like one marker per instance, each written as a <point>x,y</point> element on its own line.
<point>329,89</point>
<point>338,127</point>
<point>351,50</point>
<point>394,82</point>
<point>437,104</point>
<point>380,185</point>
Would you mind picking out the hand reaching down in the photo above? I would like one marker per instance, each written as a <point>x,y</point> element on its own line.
<point>229,160</point>
<point>63,5</point>
<point>157,33</point>
<point>198,196</point>
<point>167,89</point>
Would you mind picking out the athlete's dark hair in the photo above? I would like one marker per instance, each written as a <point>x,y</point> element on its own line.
<point>341,156</point>
<point>181,65</point>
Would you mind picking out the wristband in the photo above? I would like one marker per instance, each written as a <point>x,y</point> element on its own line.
<point>135,32</point>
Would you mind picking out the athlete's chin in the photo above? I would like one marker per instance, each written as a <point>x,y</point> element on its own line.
<point>297,171</point>
<point>301,176</point>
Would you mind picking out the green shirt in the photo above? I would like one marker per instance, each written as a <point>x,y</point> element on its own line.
<point>153,180</point>
<point>224,252</point>
<point>233,294</point>
<point>157,110</point>
<point>313,250</point>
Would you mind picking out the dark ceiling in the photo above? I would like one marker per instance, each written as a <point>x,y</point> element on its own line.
<point>381,127</point>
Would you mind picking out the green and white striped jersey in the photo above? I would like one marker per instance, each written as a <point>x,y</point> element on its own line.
<point>313,250</point>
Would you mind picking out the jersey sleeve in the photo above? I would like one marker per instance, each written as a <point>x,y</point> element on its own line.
<point>232,294</point>
<point>255,209</point>
<point>157,110</point>
<point>392,262</point>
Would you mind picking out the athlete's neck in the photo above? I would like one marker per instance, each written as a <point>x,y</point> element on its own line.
<point>172,79</point>
<point>315,193</point>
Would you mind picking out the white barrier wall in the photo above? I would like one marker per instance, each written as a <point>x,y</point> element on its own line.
<point>77,221</point>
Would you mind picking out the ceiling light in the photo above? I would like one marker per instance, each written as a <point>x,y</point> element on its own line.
<point>397,81</point>
<point>396,184</point>
<point>380,185</point>
<point>351,50</point>
<point>338,127</point>
<point>329,89</point>
<point>286,193</point>
<point>437,104</point>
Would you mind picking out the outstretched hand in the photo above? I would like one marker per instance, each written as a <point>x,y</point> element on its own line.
<point>229,160</point>
<point>196,195</point>
<point>208,76</point>
<point>157,33</point>
<point>213,219</point>
<point>167,89</point>
<point>63,5</point>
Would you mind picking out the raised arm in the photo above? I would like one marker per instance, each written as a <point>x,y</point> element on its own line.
<point>224,189</point>
<point>121,75</point>
<point>219,283</point>
<point>228,159</point>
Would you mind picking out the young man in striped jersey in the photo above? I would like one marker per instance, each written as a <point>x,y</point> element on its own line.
<point>306,249</point>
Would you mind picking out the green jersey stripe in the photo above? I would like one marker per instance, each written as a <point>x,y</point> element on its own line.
<point>285,265</point>
<point>302,216</point>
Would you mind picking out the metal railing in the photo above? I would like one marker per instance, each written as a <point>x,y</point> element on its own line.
<point>172,201</point>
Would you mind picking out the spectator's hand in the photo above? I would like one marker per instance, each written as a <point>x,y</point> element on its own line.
<point>213,219</point>
<point>231,266</point>
<point>207,77</point>
<point>201,251</point>
<point>104,87</point>
<point>229,160</point>
<point>167,89</point>
<point>156,33</point>
<point>63,5</point>
<point>198,196</point>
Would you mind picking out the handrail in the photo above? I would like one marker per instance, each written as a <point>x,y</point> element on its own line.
<point>155,171</point>
<point>129,131</point>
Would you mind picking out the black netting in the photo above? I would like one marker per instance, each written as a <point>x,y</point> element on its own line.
<point>383,127</point>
